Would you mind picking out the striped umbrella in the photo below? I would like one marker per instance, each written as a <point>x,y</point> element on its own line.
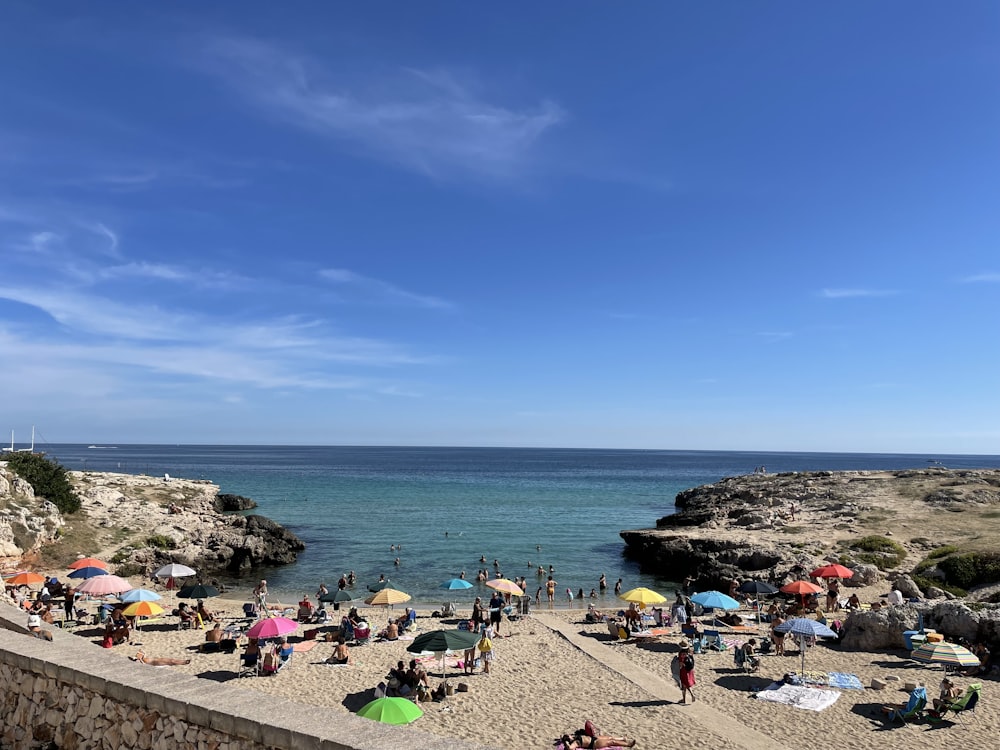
<point>103,585</point>
<point>945,654</point>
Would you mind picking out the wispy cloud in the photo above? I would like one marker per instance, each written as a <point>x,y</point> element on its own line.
<point>983,278</point>
<point>856,292</point>
<point>382,291</point>
<point>427,121</point>
<point>774,336</point>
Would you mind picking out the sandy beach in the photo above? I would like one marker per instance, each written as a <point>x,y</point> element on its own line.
<point>544,684</point>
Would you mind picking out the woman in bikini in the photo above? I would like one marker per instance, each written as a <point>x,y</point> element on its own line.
<point>584,740</point>
<point>159,661</point>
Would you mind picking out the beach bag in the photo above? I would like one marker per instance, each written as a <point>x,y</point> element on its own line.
<point>485,644</point>
<point>108,642</point>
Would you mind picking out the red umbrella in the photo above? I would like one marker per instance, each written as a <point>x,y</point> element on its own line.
<point>88,562</point>
<point>832,571</point>
<point>802,588</point>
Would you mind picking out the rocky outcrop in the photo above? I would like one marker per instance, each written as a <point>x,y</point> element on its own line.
<point>957,620</point>
<point>178,521</point>
<point>226,503</point>
<point>879,629</point>
<point>26,522</point>
<point>776,525</point>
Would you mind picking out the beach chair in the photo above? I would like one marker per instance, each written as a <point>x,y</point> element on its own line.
<point>712,641</point>
<point>250,665</point>
<point>740,659</point>
<point>964,704</point>
<point>362,634</point>
<point>913,710</point>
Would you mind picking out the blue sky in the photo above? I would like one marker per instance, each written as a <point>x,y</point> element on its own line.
<point>766,226</point>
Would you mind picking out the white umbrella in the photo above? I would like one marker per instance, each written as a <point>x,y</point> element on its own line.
<point>174,570</point>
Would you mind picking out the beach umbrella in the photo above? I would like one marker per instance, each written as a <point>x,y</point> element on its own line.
<point>143,609</point>
<point>715,600</point>
<point>758,587</point>
<point>25,578</point>
<point>272,627</point>
<point>197,591</point>
<point>456,584</point>
<point>505,586</point>
<point>443,641</point>
<point>643,597</point>
<point>805,628</point>
<point>387,597</point>
<point>88,562</point>
<point>945,654</point>
<point>140,595</point>
<point>396,711</point>
<point>88,572</point>
<point>376,587</point>
<point>103,585</point>
<point>802,588</point>
<point>174,570</point>
<point>832,571</point>
<point>340,596</point>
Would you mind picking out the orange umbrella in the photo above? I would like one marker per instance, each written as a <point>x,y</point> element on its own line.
<point>25,577</point>
<point>143,609</point>
<point>802,588</point>
<point>505,586</point>
<point>89,562</point>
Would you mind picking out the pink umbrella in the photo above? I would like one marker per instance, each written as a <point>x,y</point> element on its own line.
<point>103,585</point>
<point>272,627</point>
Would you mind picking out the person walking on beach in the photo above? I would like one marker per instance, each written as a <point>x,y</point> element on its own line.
<point>260,595</point>
<point>686,672</point>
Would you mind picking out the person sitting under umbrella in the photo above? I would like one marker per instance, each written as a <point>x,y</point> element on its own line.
<point>415,676</point>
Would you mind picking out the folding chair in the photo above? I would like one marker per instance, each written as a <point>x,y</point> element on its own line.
<point>913,710</point>
<point>965,703</point>
<point>250,665</point>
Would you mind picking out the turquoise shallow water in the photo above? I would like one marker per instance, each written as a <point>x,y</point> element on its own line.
<point>447,507</point>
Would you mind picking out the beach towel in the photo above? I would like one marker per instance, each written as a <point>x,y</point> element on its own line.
<point>845,681</point>
<point>810,699</point>
<point>303,646</point>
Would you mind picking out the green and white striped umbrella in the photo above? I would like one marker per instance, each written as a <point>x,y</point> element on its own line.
<point>945,654</point>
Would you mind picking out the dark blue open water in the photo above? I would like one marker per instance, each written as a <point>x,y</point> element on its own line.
<point>349,504</point>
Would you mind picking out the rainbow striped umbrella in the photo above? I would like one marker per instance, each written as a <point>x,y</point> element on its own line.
<point>945,654</point>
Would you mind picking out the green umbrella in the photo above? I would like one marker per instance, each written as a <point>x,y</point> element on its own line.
<point>337,597</point>
<point>442,641</point>
<point>392,711</point>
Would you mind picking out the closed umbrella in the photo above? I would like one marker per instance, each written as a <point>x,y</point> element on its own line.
<point>805,628</point>
<point>715,600</point>
<point>104,585</point>
<point>396,711</point>
<point>643,597</point>
<point>88,562</point>
<point>387,597</point>
<point>88,572</point>
<point>197,591</point>
<point>140,595</point>
<point>272,627</point>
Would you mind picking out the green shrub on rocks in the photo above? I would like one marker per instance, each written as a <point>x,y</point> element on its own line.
<point>47,478</point>
<point>879,551</point>
<point>971,569</point>
<point>161,542</point>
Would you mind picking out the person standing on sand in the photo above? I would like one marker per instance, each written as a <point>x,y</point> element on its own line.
<point>686,672</point>
<point>260,595</point>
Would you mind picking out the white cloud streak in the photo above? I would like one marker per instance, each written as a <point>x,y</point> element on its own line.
<point>850,293</point>
<point>382,291</point>
<point>426,121</point>
<point>983,278</point>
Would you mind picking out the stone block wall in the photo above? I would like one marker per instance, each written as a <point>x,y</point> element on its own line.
<point>69,693</point>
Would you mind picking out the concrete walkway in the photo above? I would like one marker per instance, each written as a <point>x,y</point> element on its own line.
<point>658,688</point>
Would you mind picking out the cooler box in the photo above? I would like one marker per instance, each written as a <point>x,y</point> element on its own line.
<point>934,638</point>
<point>913,639</point>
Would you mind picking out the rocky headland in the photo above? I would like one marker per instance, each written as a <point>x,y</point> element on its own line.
<point>881,523</point>
<point>139,523</point>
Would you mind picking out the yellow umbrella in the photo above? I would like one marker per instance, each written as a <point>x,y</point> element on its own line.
<point>505,586</point>
<point>387,596</point>
<point>143,609</point>
<point>643,597</point>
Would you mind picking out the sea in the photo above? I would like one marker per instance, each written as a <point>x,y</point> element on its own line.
<point>423,515</point>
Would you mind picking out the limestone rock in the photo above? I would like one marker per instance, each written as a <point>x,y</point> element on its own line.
<point>227,503</point>
<point>864,575</point>
<point>905,585</point>
<point>881,629</point>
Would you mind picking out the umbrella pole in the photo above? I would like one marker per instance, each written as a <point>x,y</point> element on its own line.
<point>802,650</point>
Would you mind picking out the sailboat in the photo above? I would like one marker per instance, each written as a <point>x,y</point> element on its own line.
<point>12,449</point>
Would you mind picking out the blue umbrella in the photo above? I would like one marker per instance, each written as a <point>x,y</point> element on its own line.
<point>715,600</point>
<point>88,572</point>
<point>139,595</point>
<point>456,584</point>
<point>805,628</point>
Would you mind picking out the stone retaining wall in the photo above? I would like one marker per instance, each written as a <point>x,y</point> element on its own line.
<point>70,694</point>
